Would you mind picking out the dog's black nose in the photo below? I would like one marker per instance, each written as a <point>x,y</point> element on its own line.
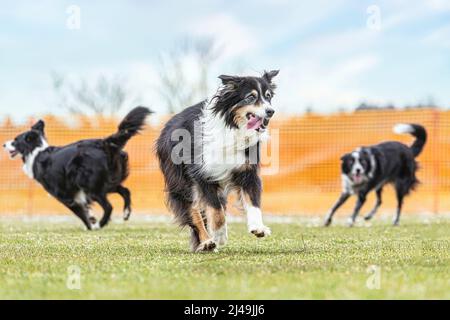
<point>270,112</point>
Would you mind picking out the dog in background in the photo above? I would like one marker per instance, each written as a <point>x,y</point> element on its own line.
<point>222,140</point>
<point>82,172</point>
<point>371,168</point>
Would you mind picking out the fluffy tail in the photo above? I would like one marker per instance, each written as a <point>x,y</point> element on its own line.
<point>417,131</point>
<point>129,127</point>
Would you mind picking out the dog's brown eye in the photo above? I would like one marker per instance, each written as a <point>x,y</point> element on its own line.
<point>268,95</point>
<point>30,137</point>
<point>250,99</point>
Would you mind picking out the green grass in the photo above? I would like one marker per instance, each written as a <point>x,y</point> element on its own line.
<point>147,260</point>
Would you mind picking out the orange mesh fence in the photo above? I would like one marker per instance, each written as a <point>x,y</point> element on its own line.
<point>304,180</point>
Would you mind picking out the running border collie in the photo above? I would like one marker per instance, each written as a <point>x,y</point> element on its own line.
<point>223,138</point>
<point>371,168</point>
<point>82,172</point>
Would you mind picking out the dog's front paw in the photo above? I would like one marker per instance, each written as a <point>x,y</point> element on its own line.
<point>260,231</point>
<point>350,222</point>
<point>327,222</point>
<point>206,246</point>
<point>126,214</point>
<point>95,226</point>
<point>92,220</point>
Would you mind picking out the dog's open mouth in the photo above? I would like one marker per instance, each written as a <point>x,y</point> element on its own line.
<point>256,123</point>
<point>13,153</point>
<point>357,178</point>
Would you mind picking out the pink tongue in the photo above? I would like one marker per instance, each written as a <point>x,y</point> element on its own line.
<point>357,179</point>
<point>254,123</point>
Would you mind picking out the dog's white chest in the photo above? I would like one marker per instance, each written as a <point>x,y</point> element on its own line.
<point>224,149</point>
<point>29,161</point>
<point>219,163</point>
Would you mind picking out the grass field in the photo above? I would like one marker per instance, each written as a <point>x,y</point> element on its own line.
<point>151,260</point>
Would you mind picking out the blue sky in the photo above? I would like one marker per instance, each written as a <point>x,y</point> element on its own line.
<point>328,56</point>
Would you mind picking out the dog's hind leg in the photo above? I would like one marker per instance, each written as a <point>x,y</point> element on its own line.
<point>342,199</point>
<point>126,195</point>
<point>188,212</point>
<point>401,189</point>
<point>195,239</point>
<point>198,223</point>
<point>217,225</point>
<point>359,203</point>
<point>107,209</point>
<point>377,205</point>
<point>81,212</point>
<point>213,202</point>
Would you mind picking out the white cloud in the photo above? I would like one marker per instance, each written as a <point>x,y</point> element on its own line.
<point>325,72</point>
<point>439,37</point>
<point>325,88</point>
<point>324,49</point>
<point>438,5</point>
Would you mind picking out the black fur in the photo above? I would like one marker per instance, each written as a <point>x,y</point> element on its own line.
<point>233,95</point>
<point>371,168</point>
<point>86,171</point>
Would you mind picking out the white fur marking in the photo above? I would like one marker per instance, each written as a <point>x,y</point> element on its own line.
<point>221,235</point>
<point>126,214</point>
<point>81,198</point>
<point>347,184</point>
<point>373,164</point>
<point>29,160</point>
<point>254,218</point>
<point>223,147</point>
<point>9,145</point>
<point>95,226</point>
<point>10,148</point>
<point>357,165</point>
<point>403,128</point>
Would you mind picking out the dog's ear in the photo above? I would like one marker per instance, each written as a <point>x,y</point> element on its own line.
<point>39,126</point>
<point>229,79</point>
<point>345,156</point>
<point>269,75</point>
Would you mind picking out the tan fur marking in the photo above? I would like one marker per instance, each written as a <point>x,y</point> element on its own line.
<point>197,220</point>
<point>216,218</point>
<point>240,117</point>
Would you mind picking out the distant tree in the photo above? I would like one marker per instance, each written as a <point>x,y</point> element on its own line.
<point>309,110</point>
<point>427,103</point>
<point>175,73</point>
<point>367,106</point>
<point>102,96</point>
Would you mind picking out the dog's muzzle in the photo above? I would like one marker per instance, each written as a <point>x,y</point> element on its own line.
<point>269,115</point>
<point>9,146</point>
<point>259,122</point>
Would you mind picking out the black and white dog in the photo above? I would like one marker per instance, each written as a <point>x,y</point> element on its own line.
<point>371,168</point>
<point>212,148</point>
<point>82,172</point>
